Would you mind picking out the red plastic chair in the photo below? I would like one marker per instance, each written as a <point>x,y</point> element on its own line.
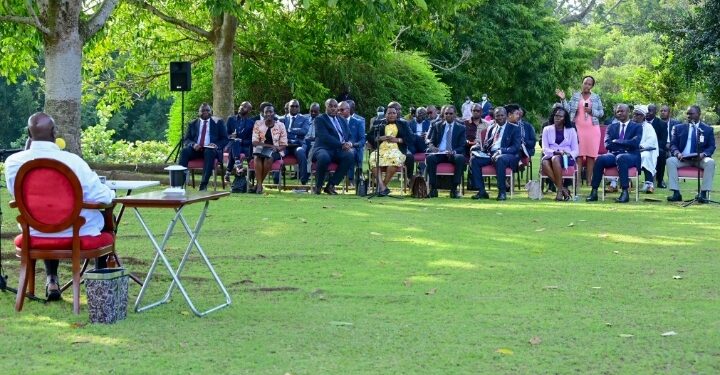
<point>613,173</point>
<point>51,213</point>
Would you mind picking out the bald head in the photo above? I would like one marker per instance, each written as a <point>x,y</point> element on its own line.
<point>41,127</point>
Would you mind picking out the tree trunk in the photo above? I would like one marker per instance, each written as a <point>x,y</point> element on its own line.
<point>63,87</point>
<point>223,43</point>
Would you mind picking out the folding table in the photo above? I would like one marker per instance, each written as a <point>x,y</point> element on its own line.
<point>158,199</point>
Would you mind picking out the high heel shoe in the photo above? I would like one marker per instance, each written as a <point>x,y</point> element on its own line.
<point>566,194</point>
<point>559,197</point>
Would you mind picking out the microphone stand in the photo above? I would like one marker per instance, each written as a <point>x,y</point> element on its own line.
<point>376,129</point>
<point>697,198</point>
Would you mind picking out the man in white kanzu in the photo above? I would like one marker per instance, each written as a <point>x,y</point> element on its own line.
<point>42,133</point>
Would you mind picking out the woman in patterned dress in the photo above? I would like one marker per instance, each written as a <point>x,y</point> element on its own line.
<point>392,136</point>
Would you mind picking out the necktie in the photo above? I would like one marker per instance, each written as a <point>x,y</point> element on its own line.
<point>202,133</point>
<point>622,132</point>
<point>337,127</point>
<point>448,140</point>
<point>693,140</point>
<point>292,119</point>
<point>496,136</point>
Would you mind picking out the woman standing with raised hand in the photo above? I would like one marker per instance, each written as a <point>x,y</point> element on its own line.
<point>585,109</point>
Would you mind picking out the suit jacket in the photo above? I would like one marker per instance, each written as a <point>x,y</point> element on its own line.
<point>415,142</point>
<point>670,126</point>
<point>631,143</point>
<point>486,108</point>
<point>510,143</point>
<point>242,127</point>
<point>528,136</point>
<point>680,139</point>
<point>403,133</point>
<point>218,134</point>
<point>362,121</point>
<point>357,132</point>
<point>300,128</point>
<point>326,137</point>
<point>437,131</point>
<point>661,130</point>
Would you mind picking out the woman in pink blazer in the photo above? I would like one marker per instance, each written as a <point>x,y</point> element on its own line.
<point>560,148</point>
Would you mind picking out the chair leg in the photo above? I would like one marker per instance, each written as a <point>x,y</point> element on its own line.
<point>76,286</point>
<point>31,277</point>
<point>192,177</point>
<point>22,283</point>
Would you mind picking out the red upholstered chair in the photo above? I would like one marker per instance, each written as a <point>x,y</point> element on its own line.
<point>569,173</point>
<point>277,166</point>
<point>49,197</point>
<point>448,169</point>
<point>601,151</point>
<point>488,171</point>
<point>612,172</point>
<point>289,160</point>
<point>332,167</point>
<point>197,164</point>
<point>691,173</point>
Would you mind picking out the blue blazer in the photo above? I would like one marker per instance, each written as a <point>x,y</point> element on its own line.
<point>458,141</point>
<point>631,143</point>
<point>680,138</point>
<point>218,135</point>
<point>326,137</point>
<point>511,142</point>
<point>486,108</point>
<point>243,127</point>
<point>300,128</point>
<point>357,132</point>
<point>529,138</point>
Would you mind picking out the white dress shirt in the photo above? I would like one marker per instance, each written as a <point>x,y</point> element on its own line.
<point>93,190</point>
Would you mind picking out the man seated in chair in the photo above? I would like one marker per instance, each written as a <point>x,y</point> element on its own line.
<point>42,133</point>
<point>446,145</point>
<point>501,148</point>
<point>204,138</point>
<point>691,145</point>
<point>297,127</point>
<point>332,144</point>
<point>622,140</point>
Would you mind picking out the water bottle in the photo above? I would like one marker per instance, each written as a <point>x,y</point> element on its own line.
<point>565,161</point>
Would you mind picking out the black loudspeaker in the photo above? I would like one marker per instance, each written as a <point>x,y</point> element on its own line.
<point>180,76</point>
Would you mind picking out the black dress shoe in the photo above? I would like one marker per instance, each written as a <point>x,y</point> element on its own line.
<point>315,190</point>
<point>384,193</point>
<point>330,190</point>
<point>703,198</point>
<point>455,195</point>
<point>662,185</point>
<point>502,196</point>
<point>593,197</point>
<point>433,193</point>
<point>202,188</point>
<point>481,195</point>
<point>676,197</point>
<point>624,197</point>
<point>52,290</point>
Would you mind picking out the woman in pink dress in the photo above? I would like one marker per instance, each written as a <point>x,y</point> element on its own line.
<point>585,110</point>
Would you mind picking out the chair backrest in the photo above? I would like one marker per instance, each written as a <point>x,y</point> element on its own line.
<point>602,150</point>
<point>48,195</point>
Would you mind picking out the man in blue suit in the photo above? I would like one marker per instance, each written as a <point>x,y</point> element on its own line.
<point>486,105</point>
<point>692,144</point>
<point>501,148</point>
<point>661,132</point>
<point>205,138</point>
<point>297,127</point>
<point>332,144</point>
<point>419,128</point>
<point>356,125</point>
<point>239,128</point>
<point>622,140</point>
<point>446,145</point>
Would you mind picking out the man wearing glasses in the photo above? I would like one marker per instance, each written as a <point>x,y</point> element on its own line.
<point>297,127</point>
<point>446,145</point>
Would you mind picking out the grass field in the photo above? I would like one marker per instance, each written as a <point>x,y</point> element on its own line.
<point>332,285</point>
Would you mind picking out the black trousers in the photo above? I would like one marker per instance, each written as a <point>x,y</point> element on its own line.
<point>323,158</point>
<point>660,168</point>
<point>503,162</point>
<point>433,160</point>
<point>208,155</point>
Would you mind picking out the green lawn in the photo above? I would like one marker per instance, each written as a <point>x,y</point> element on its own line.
<point>333,285</point>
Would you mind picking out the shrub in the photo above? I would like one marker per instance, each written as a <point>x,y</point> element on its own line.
<point>98,147</point>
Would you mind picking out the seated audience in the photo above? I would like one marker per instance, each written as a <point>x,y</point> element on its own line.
<point>239,128</point>
<point>501,149</point>
<point>357,136</point>
<point>332,144</point>
<point>269,140</point>
<point>391,136</point>
<point>622,140</point>
<point>297,127</point>
<point>661,135</point>
<point>692,144</point>
<point>648,148</point>
<point>560,148</point>
<point>446,145</point>
<point>205,138</point>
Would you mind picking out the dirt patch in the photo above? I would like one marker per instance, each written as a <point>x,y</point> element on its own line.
<point>274,289</point>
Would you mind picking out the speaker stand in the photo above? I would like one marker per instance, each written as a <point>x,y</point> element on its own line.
<point>175,153</point>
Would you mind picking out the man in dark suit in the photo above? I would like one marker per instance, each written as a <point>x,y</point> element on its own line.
<point>332,144</point>
<point>419,127</point>
<point>661,130</point>
<point>692,144</point>
<point>356,126</point>
<point>527,135</point>
<point>446,145</point>
<point>297,127</point>
<point>622,140</point>
<point>239,128</point>
<point>205,138</point>
<point>486,105</point>
<point>665,115</point>
<point>501,149</point>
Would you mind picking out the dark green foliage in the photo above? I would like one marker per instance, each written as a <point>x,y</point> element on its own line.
<point>18,101</point>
